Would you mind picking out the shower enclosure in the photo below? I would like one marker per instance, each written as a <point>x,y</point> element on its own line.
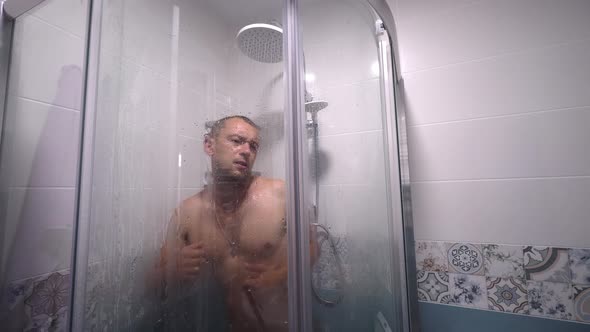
<point>105,104</point>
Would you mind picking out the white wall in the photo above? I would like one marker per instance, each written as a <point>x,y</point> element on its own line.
<point>41,139</point>
<point>497,96</point>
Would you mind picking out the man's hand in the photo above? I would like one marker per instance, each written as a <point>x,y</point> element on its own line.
<point>189,261</point>
<point>263,275</point>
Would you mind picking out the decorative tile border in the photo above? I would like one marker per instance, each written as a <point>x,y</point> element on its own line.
<point>465,258</point>
<point>580,266</point>
<point>431,256</point>
<point>433,286</point>
<point>468,290</point>
<point>547,264</point>
<point>539,281</point>
<point>37,304</point>
<point>507,295</point>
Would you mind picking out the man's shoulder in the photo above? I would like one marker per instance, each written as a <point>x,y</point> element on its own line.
<point>270,184</point>
<point>195,203</point>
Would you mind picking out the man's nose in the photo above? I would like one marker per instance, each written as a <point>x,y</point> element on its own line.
<point>245,150</point>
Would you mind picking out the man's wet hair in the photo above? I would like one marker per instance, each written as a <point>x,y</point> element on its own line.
<point>219,124</point>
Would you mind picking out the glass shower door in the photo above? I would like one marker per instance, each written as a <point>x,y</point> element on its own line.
<point>156,181</point>
<point>40,144</point>
<point>349,106</point>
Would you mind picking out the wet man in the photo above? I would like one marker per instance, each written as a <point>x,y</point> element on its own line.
<point>237,226</point>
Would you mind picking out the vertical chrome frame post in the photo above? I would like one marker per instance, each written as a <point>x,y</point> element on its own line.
<point>6,26</point>
<point>299,281</point>
<point>84,182</point>
<point>396,227</point>
<point>394,118</point>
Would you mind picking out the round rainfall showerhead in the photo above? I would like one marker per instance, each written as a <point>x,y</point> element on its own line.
<point>315,106</point>
<point>261,42</point>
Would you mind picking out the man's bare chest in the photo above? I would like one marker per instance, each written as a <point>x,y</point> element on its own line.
<point>254,231</point>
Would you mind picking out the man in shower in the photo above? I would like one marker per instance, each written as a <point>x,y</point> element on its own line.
<point>236,228</point>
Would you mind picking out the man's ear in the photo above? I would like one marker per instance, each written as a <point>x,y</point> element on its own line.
<point>208,145</point>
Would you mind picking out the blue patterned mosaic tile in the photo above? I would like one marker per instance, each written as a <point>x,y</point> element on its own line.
<point>580,266</point>
<point>503,261</point>
<point>465,258</point>
<point>582,303</point>
<point>431,256</point>
<point>550,299</point>
<point>546,264</point>
<point>468,290</point>
<point>433,286</point>
<point>507,295</point>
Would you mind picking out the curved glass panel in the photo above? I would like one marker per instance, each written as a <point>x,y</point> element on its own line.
<point>39,162</point>
<point>352,275</point>
<point>187,212</point>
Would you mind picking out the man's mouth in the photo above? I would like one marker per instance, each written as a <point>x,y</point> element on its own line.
<point>241,164</point>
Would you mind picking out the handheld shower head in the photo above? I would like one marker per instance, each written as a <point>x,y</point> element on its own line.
<point>315,106</point>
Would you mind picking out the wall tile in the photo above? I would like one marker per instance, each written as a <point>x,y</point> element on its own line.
<point>70,15</point>
<point>546,264</point>
<point>532,145</point>
<point>41,220</point>
<point>433,287</point>
<point>503,261</point>
<point>352,158</point>
<point>465,258</point>
<point>148,18</point>
<point>508,295</point>
<point>455,211</point>
<point>582,303</point>
<point>344,209</point>
<point>431,256</point>
<point>580,266</point>
<point>44,142</point>
<point>501,86</point>
<point>468,290</point>
<point>360,102</point>
<point>425,26</point>
<point>60,66</point>
<point>339,44</point>
<point>550,299</point>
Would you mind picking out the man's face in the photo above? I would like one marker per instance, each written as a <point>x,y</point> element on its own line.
<point>234,150</point>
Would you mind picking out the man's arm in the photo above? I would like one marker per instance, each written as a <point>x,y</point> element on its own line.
<point>179,260</point>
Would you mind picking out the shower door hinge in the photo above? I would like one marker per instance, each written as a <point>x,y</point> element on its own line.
<point>379,27</point>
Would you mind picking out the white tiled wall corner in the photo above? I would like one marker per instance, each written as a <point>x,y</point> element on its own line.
<point>543,144</point>
<point>54,78</point>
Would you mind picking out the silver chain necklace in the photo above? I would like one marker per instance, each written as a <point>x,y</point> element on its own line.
<point>233,245</point>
